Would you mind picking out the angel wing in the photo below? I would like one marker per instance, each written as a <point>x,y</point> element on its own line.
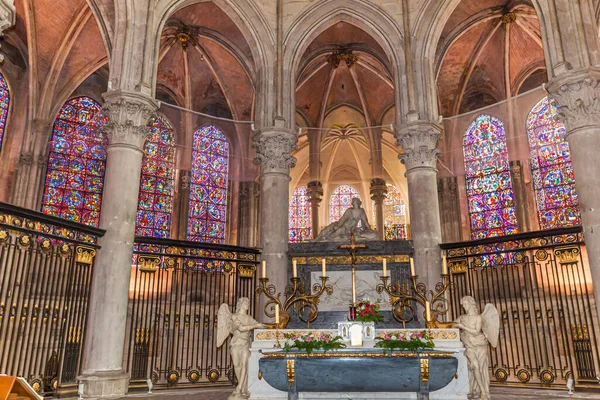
<point>223,324</point>
<point>491,324</point>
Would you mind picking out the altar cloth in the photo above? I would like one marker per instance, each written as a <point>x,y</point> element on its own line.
<point>445,340</point>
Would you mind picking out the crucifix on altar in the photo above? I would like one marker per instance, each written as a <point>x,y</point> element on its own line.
<point>352,248</point>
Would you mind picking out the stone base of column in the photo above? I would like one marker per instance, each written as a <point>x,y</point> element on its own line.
<point>104,384</point>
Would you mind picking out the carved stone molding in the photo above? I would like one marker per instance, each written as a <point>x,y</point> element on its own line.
<point>128,117</point>
<point>274,148</point>
<point>578,96</point>
<point>26,158</point>
<point>419,141</point>
<point>315,192</point>
<point>378,190</point>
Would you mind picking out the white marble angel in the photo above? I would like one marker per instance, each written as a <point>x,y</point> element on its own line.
<point>477,331</point>
<point>240,325</point>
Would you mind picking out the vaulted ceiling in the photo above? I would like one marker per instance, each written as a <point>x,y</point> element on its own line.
<point>489,50</point>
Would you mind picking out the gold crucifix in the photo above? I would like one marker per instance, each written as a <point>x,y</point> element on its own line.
<point>352,247</point>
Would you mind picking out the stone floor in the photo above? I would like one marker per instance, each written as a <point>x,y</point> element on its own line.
<point>497,394</point>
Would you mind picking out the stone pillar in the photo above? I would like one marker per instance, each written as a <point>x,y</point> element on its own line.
<point>516,175</point>
<point>274,146</point>
<point>102,370</point>
<point>449,209</point>
<point>378,194</point>
<point>315,196</point>
<point>419,141</point>
<point>578,95</point>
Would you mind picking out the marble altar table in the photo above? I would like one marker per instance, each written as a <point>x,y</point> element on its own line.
<point>446,340</point>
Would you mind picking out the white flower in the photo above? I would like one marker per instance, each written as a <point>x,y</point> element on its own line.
<point>394,337</point>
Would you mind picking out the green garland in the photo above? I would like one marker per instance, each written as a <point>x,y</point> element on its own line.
<point>409,342</point>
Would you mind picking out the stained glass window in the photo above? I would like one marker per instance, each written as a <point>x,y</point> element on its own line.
<point>553,178</point>
<point>4,103</point>
<point>299,216</point>
<point>76,163</point>
<point>156,183</point>
<point>489,188</point>
<point>340,201</point>
<point>394,214</point>
<point>208,189</point>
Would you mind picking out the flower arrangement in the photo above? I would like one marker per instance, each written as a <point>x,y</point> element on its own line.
<point>368,312</point>
<point>313,341</point>
<point>411,341</point>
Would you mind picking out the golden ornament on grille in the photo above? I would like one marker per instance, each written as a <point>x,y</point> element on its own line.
<point>547,376</point>
<point>214,375</point>
<point>193,376</point>
<point>524,375</point>
<point>173,377</point>
<point>246,270</point>
<point>501,375</point>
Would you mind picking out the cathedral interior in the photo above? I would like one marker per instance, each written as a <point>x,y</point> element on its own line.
<point>154,153</point>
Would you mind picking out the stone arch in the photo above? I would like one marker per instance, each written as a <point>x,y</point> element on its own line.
<point>251,23</point>
<point>316,19</point>
<point>430,22</point>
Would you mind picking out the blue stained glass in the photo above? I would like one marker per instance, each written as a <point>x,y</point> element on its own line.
<point>340,201</point>
<point>489,187</point>
<point>553,178</point>
<point>156,183</point>
<point>208,188</point>
<point>76,163</point>
<point>300,222</point>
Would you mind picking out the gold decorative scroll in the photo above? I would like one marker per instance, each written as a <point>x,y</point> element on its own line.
<point>346,260</point>
<point>85,255</point>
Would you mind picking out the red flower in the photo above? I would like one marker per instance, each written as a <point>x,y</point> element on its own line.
<point>372,312</point>
<point>364,314</point>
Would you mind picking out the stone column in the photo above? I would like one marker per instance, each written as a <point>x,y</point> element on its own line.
<point>102,370</point>
<point>516,175</point>
<point>315,196</point>
<point>449,209</point>
<point>274,146</point>
<point>578,94</point>
<point>419,141</point>
<point>378,194</point>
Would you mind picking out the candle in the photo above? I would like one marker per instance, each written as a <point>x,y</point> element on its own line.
<point>444,265</point>
<point>294,268</point>
<point>427,311</point>
<point>276,313</point>
<point>323,268</point>
<point>412,267</point>
<point>264,269</point>
<point>384,267</point>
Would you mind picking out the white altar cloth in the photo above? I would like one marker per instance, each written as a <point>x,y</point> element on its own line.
<point>445,340</point>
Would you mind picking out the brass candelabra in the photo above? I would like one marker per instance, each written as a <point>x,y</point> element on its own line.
<point>403,297</point>
<point>297,297</point>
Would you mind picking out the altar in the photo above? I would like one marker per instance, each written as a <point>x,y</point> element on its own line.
<point>446,366</point>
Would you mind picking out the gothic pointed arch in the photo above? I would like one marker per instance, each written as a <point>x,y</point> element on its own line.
<point>489,187</point>
<point>76,163</point>
<point>208,187</point>
<point>155,204</point>
<point>553,177</point>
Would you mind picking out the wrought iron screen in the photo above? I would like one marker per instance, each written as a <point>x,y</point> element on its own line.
<point>45,271</point>
<point>175,293</point>
<point>541,285</point>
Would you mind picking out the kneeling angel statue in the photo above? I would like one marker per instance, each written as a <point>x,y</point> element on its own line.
<point>477,331</point>
<point>240,325</point>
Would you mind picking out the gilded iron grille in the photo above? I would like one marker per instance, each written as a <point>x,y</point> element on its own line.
<point>541,285</point>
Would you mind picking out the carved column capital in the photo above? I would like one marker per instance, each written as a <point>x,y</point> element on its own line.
<point>128,117</point>
<point>26,158</point>
<point>378,190</point>
<point>315,192</point>
<point>274,146</point>
<point>578,96</point>
<point>419,141</point>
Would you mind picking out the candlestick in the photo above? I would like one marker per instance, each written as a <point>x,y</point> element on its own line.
<point>427,310</point>
<point>384,267</point>
<point>324,268</point>
<point>444,265</point>
<point>277,314</point>
<point>412,267</point>
<point>294,269</point>
<point>264,269</point>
